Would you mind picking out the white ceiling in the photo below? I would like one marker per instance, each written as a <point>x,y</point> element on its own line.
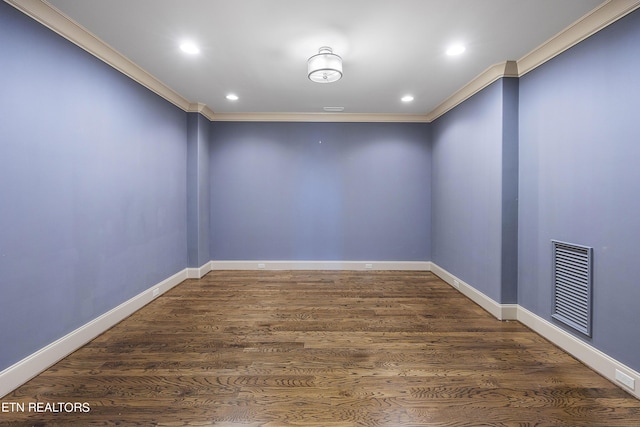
<point>258,49</point>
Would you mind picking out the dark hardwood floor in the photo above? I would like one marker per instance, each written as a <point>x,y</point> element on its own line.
<point>266,348</point>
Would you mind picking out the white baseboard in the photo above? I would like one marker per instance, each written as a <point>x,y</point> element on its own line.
<point>587,354</point>
<point>197,273</point>
<point>500,311</point>
<point>322,265</point>
<point>22,371</point>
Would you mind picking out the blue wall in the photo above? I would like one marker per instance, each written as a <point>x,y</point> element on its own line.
<point>363,193</point>
<point>580,180</point>
<point>106,189</point>
<point>474,191</point>
<point>198,192</point>
<point>92,187</point>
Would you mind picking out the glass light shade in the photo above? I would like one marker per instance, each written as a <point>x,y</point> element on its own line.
<point>325,67</point>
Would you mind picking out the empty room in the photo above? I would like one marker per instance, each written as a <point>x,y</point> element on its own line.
<point>347,213</point>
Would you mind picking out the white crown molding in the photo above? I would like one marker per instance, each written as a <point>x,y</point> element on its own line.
<point>45,13</point>
<point>21,372</point>
<point>600,17</point>
<point>319,117</point>
<point>48,15</point>
<point>198,107</point>
<point>607,13</point>
<point>484,79</point>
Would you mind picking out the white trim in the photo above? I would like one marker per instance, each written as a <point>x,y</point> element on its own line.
<point>319,117</point>
<point>22,371</point>
<point>45,13</point>
<point>594,21</point>
<point>597,19</point>
<point>322,265</point>
<point>198,107</point>
<point>595,359</point>
<point>198,273</point>
<point>600,362</point>
<point>481,81</point>
<point>509,311</point>
<point>499,311</point>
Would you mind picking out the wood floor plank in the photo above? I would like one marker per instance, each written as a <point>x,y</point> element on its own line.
<point>263,348</point>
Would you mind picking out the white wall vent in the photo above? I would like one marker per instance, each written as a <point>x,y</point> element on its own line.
<point>572,285</point>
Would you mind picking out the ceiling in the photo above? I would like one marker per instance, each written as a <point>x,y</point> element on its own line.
<point>258,49</point>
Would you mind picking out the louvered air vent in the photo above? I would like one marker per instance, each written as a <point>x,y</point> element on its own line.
<point>572,283</point>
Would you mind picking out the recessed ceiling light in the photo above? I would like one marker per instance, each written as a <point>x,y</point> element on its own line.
<point>407,98</point>
<point>190,48</point>
<point>232,97</point>
<point>333,109</point>
<point>455,49</point>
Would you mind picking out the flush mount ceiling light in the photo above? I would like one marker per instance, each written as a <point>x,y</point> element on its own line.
<point>232,97</point>
<point>407,98</point>
<point>325,67</point>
